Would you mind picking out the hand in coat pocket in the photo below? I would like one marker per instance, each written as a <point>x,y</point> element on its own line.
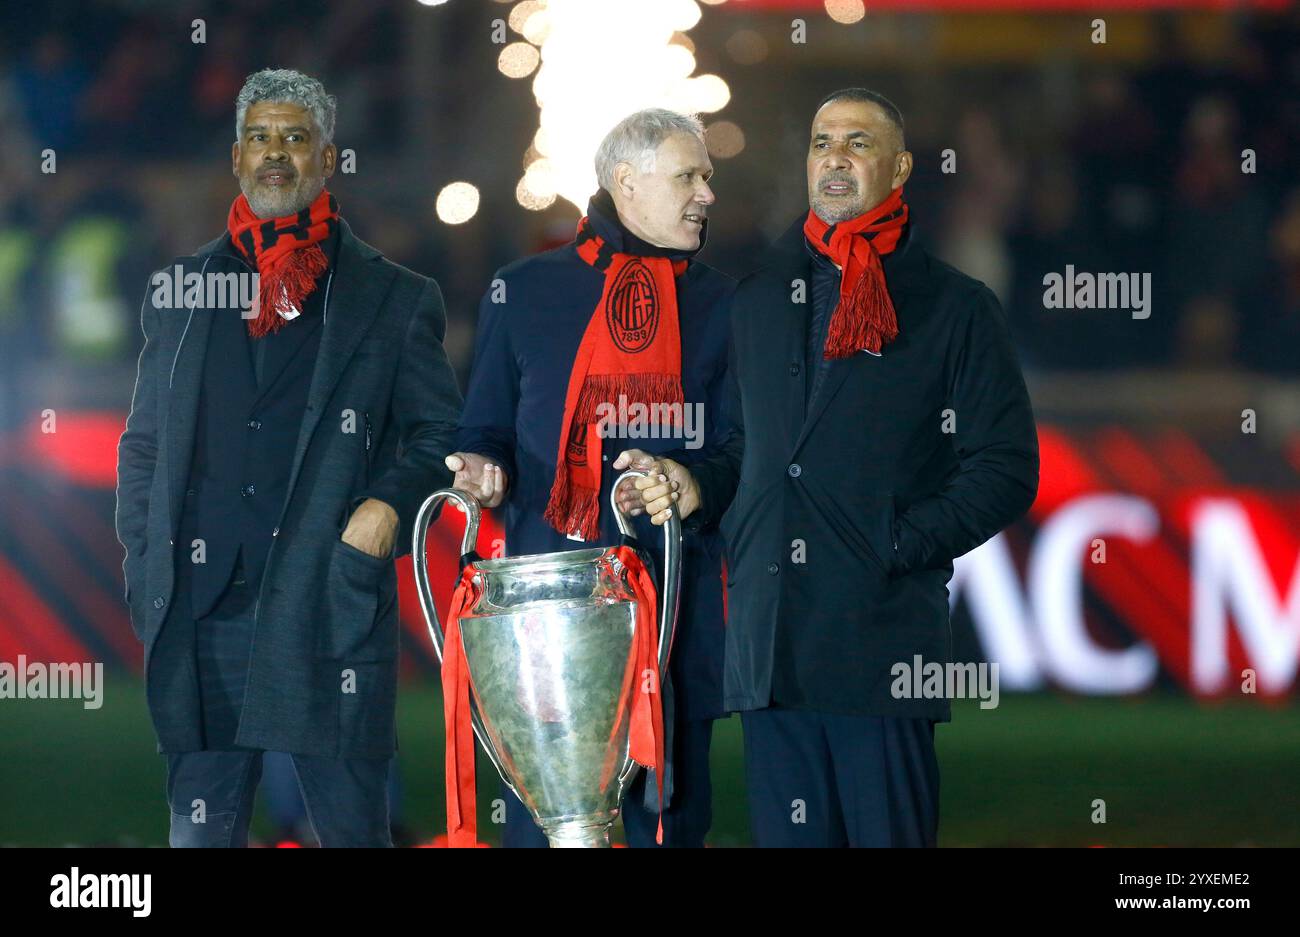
<point>372,529</point>
<point>350,630</point>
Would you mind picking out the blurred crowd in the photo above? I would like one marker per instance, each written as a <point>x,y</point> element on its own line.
<point>1104,167</point>
<point>1187,172</point>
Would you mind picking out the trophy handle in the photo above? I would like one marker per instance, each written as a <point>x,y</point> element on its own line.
<point>419,540</point>
<point>672,568</point>
<point>672,589</point>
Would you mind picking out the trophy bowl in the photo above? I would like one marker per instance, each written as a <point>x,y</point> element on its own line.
<point>549,642</point>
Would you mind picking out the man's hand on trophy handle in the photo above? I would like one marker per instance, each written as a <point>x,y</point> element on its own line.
<point>478,477</point>
<point>671,488</point>
<point>627,496</point>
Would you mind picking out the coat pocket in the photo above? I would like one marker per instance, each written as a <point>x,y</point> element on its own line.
<point>861,525</point>
<point>369,449</point>
<point>875,521</point>
<point>135,609</point>
<point>731,521</point>
<point>891,557</point>
<point>350,629</point>
<point>134,594</point>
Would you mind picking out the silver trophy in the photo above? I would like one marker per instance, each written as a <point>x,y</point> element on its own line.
<point>547,644</point>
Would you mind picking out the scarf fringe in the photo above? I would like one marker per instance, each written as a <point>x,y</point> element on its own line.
<point>867,320</point>
<point>648,389</point>
<point>573,508</point>
<point>287,287</point>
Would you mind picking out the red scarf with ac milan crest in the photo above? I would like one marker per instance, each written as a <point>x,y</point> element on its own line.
<point>632,347</point>
<point>864,316</point>
<point>287,255</point>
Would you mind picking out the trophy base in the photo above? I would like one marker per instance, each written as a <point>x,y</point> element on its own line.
<point>590,832</point>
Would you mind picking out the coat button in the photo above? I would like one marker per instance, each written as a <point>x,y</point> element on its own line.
<point>773,568</point>
<point>159,602</point>
<point>254,424</point>
<point>794,370</point>
<point>794,470</point>
<point>248,491</point>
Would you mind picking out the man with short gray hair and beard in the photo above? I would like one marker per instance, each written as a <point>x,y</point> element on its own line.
<point>883,430</point>
<point>622,317</point>
<point>271,468</point>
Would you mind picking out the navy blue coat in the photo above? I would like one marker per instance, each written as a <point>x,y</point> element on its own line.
<point>524,351</point>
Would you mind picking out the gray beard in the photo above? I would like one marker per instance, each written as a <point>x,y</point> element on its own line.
<point>271,204</point>
<point>835,213</point>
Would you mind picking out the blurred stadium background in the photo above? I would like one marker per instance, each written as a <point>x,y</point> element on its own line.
<point>1174,439</point>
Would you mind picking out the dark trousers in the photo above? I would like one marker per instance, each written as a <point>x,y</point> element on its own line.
<point>826,780</point>
<point>689,814</point>
<point>210,792</point>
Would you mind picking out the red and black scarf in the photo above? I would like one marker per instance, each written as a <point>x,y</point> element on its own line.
<point>632,347</point>
<point>864,316</point>
<point>286,252</point>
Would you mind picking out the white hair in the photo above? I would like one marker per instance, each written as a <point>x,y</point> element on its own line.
<point>636,137</point>
<point>286,86</point>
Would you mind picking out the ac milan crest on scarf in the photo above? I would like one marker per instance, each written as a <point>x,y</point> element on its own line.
<point>864,316</point>
<point>632,346</point>
<point>286,252</point>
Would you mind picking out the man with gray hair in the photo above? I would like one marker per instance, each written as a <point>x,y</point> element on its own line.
<point>281,439</point>
<point>623,315</point>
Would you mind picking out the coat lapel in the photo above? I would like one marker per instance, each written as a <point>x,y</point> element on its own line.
<point>792,331</point>
<point>830,387</point>
<point>904,274</point>
<point>275,364</point>
<point>354,294</point>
